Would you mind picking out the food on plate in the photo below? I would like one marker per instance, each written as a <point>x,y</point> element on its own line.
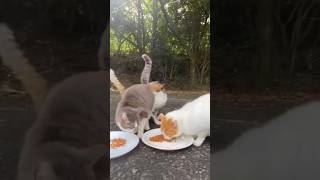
<point>158,138</point>
<point>117,142</point>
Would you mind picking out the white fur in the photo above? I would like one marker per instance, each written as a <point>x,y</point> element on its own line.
<point>160,99</point>
<point>112,74</point>
<point>116,82</point>
<point>193,119</point>
<point>113,77</point>
<point>142,126</point>
<point>134,130</point>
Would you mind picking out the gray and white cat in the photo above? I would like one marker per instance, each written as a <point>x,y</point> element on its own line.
<point>139,101</point>
<point>287,148</point>
<point>68,138</point>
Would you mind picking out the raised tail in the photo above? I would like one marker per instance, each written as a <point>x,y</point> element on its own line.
<point>145,75</point>
<point>116,82</point>
<point>12,56</point>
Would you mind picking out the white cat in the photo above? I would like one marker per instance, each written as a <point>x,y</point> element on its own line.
<point>192,119</point>
<point>287,148</point>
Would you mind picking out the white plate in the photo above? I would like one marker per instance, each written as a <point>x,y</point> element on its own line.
<point>132,142</point>
<point>178,143</point>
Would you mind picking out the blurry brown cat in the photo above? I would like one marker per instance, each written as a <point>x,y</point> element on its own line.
<point>68,138</point>
<point>139,101</point>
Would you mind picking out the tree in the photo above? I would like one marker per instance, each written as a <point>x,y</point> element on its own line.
<point>264,25</point>
<point>166,28</point>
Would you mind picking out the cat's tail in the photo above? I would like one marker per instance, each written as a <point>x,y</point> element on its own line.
<point>145,75</point>
<point>12,56</point>
<point>116,82</point>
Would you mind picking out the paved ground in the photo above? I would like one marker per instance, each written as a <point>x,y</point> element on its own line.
<point>146,163</point>
<point>143,162</point>
<point>194,162</point>
<point>231,122</point>
<point>13,125</point>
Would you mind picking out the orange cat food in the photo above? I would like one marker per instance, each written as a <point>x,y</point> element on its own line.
<point>158,138</point>
<point>118,142</point>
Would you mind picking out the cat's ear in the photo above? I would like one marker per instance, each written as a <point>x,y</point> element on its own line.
<point>44,171</point>
<point>162,86</point>
<point>161,117</point>
<point>94,153</point>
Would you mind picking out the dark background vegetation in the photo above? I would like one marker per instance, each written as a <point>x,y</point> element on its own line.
<point>267,43</point>
<point>267,50</point>
<point>59,37</point>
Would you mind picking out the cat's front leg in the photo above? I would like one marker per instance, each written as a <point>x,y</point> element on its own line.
<point>200,139</point>
<point>147,126</point>
<point>155,118</point>
<point>141,126</point>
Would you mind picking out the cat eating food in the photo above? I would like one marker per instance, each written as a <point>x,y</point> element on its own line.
<point>192,119</point>
<point>139,101</point>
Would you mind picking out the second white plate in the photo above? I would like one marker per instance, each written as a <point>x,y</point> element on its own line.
<point>132,142</point>
<point>178,143</point>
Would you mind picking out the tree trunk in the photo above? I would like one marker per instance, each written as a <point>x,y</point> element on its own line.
<point>264,23</point>
<point>192,70</point>
<point>140,28</point>
<point>155,12</point>
<point>195,41</point>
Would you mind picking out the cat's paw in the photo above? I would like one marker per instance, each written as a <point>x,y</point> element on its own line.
<point>140,135</point>
<point>199,141</point>
<point>147,128</point>
<point>156,120</point>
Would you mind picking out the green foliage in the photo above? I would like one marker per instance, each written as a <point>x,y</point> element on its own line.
<point>163,27</point>
<point>124,24</point>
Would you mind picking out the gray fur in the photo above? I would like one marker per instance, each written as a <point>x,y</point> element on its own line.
<point>136,103</point>
<point>145,75</point>
<point>68,140</point>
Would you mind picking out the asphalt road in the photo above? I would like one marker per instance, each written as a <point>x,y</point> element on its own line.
<point>13,125</point>
<point>146,163</point>
<point>143,162</point>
